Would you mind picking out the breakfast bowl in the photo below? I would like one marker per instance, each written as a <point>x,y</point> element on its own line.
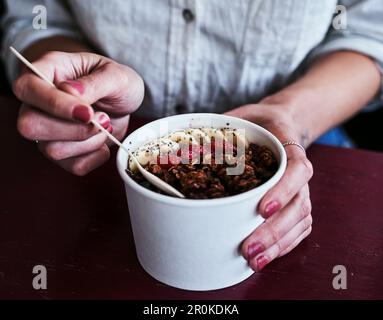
<point>194,244</point>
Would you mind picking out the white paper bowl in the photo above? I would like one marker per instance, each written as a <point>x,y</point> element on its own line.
<point>195,244</point>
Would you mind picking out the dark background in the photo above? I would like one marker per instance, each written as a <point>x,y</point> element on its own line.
<point>4,88</point>
<point>366,129</point>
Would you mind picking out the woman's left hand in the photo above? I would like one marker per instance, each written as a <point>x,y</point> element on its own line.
<point>287,206</point>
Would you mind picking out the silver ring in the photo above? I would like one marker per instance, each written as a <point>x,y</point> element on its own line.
<point>294,143</point>
<point>37,141</point>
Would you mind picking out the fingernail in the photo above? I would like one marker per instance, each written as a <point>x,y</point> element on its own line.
<point>82,113</point>
<point>104,121</point>
<point>76,85</point>
<point>110,129</point>
<point>262,262</point>
<point>271,208</point>
<point>253,250</point>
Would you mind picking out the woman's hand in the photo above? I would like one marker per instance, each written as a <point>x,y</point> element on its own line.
<point>286,207</point>
<point>59,117</point>
<point>333,88</point>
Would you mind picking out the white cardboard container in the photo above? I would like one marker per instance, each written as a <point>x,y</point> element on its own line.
<point>195,244</point>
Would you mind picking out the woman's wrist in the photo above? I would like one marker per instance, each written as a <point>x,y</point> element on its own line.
<point>334,88</point>
<point>287,106</point>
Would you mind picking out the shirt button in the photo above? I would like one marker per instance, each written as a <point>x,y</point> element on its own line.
<point>188,15</point>
<point>180,108</point>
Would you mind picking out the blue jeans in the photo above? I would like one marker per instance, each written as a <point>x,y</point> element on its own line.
<point>336,137</point>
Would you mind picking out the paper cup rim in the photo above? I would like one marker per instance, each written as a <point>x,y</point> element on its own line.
<point>121,166</point>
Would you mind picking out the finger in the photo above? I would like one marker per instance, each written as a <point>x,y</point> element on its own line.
<point>297,241</point>
<point>243,112</point>
<point>120,127</point>
<point>298,172</point>
<point>84,164</point>
<point>60,150</point>
<point>30,89</point>
<point>285,245</point>
<point>278,225</point>
<point>115,88</point>
<point>34,124</point>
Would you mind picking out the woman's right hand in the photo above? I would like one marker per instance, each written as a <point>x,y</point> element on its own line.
<point>59,117</point>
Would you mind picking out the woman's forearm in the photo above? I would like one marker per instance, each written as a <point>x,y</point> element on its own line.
<point>334,88</point>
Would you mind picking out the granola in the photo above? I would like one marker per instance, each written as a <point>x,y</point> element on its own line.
<point>197,178</point>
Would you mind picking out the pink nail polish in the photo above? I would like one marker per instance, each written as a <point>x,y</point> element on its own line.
<point>104,121</point>
<point>262,262</point>
<point>110,129</point>
<point>253,250</point>
<point>82,113</point>
<point>76,85</point>
<point>271,208</point>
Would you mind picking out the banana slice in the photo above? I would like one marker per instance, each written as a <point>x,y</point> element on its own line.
<point>213,133</point>
<point>199,135</point>
<point>167,146</point>
<point>179,139</point>
<point>144,156</point>
<point>238,136</point>
<point>132,165</point>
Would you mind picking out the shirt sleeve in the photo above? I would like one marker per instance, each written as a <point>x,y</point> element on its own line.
<point>363,33</point>
<point>19,30</point>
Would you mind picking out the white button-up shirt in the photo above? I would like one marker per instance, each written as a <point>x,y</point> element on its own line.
<point>203,55</point>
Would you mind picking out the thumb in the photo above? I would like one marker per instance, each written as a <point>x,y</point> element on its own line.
<point>90,88</point>
<point>243,112</point>
<point>111,85</point>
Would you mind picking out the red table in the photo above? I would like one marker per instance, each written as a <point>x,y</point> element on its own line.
<point>79,229</point>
